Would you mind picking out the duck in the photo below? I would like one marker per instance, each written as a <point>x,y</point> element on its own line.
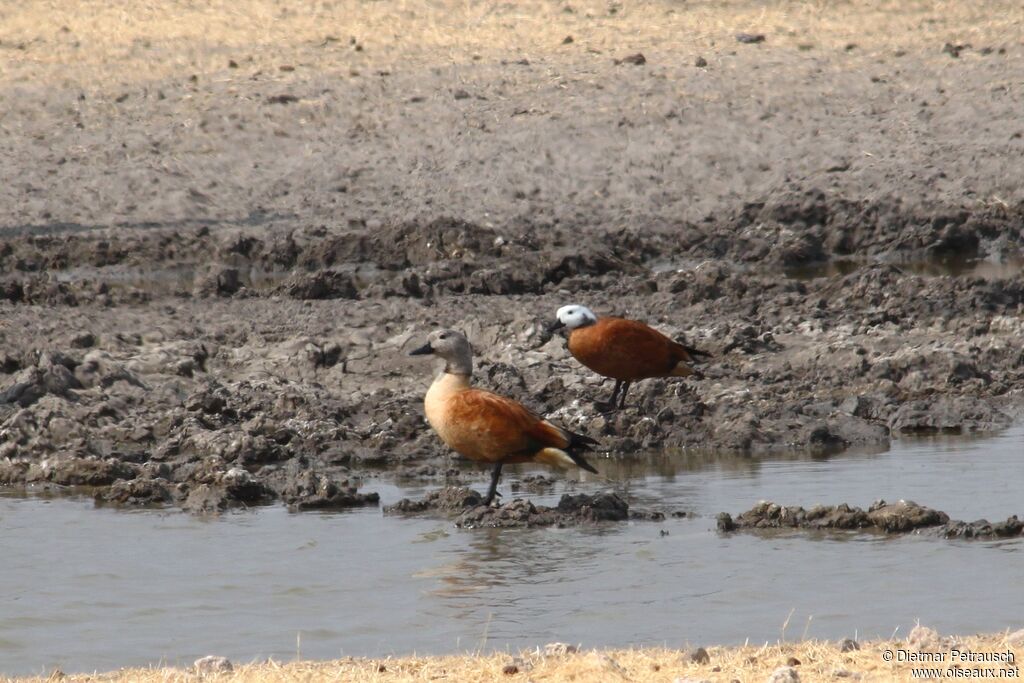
<point>623,350</point>
<point>486,427</point>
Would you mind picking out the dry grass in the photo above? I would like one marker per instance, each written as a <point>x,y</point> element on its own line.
<point>819,661</point>
<point>91,43</point>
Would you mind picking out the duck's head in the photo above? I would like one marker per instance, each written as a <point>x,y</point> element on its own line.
<point>453,347</point>
<point>573,316</point>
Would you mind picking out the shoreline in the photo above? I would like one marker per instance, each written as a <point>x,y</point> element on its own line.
<point>814,660</point>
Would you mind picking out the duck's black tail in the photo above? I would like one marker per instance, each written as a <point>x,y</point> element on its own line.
<point>578,444</point>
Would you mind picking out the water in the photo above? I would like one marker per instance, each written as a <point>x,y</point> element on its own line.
<point>96,589</point>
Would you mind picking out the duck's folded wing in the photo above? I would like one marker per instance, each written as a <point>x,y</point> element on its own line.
<point>504,424</point>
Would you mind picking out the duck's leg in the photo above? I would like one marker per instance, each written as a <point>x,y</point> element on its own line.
<point>493,489</point>
<point>622,399</point>
<point>615,393</point>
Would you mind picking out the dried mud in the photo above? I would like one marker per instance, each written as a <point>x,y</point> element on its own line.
<point>220,316</point>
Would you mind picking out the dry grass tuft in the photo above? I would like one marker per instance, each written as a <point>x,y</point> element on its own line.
<point>818,661</point>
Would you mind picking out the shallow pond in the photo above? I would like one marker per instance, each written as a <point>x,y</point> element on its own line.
<point>87,589</point>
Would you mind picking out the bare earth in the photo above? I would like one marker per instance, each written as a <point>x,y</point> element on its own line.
<point>223,225</point>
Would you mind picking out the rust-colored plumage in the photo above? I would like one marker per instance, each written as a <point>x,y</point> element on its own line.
<point>628,350</point>
<point>486,427</point>
<point>624,350</point>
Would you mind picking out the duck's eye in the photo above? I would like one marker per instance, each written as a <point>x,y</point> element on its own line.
<point>443,336</point>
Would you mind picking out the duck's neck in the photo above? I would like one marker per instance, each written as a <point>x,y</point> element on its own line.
<point>449,382</point>
<point>435,403</point>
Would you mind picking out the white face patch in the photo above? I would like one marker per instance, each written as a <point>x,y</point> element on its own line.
<point>574,315</point>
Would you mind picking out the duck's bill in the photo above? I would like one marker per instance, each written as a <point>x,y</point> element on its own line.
<point>557,325</point>
<point>422,351</point>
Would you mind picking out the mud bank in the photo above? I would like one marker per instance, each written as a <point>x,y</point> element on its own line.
<point>228,389</point>
<point>891,518</point>
<point>209,279</point>
<point>572,510</point>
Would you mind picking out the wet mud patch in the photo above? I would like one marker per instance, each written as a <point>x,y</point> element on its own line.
<point>184,389</point>
<point>197,304</point>
<point>466,507</point>
<point>901,517</point>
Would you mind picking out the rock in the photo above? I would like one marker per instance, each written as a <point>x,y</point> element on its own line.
<point>784,674</point>
<point>205,499</point>
<point>212,664</point>
<point>948,415</point>
<point>75,471</point>
<point>28,387</point>
<point>210,399</point>
<point>100,369</point>
<point>953,50</point>
<point>137,492</point>
<point>609,663</point>
<point>282,99</point>
<point>924,639</point>
<point>854,405</point>
<point>323,284</point>
<point>83,340</point>
<point>636,59</point>
<point>700,62</point>
<point>571,511</point>
<point>9,364</point>
<point>697,655</point>
<point>848,645</point>
<point>750,38</point>
<point>216,280</point>
<point>241,486</point>
<point>559,649</point>
<point>904,516</point>
<point>448,499</point>
<point>901,517</point>
<point>534,482</point>
<point>982,528</point>
<point>725,522</point>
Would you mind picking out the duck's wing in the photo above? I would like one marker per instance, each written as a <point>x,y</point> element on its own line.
<point>505,430</point>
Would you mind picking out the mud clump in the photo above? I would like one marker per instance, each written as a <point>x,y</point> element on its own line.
<point>891,518</point>
<point>312,491</point>
<point>982,528</point>
<point>138,493</point>
<point>572,510</point>
<point>324,284</point>
<point>449,499</point>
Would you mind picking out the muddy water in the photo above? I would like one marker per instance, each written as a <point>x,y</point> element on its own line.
<point>91,589</point>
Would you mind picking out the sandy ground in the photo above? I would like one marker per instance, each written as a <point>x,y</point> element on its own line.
<point>222,226</point>
<point>781,663</point>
